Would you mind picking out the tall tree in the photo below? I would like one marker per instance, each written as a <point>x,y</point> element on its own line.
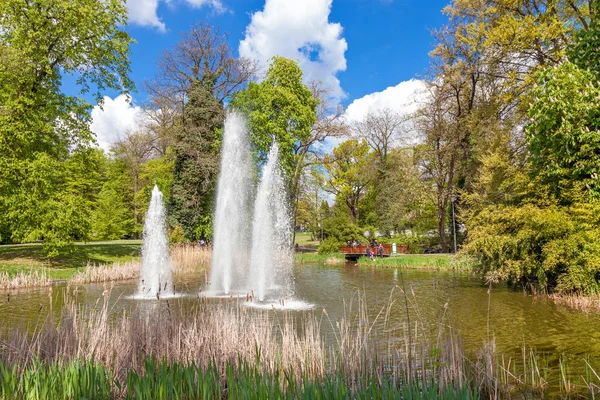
<point>350,170</point>
<point>41,127</point>
<point>382,129</point>
<point>193,82</point>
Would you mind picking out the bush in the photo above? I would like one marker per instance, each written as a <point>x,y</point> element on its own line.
<point>330,245</point>
<point>177,235</point>
<point>559,246</point>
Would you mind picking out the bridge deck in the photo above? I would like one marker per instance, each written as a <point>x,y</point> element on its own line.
<point>355,252</point>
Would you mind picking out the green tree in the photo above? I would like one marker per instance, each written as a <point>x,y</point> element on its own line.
<point>351,170</point>
<point>43,131</point>
<point>280,107</point>
<point>563,129</point>
<point>112,217</point>
<point>194,81</point>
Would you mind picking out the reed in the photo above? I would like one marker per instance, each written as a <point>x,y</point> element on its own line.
<point>190,257</point>
<point>275,353</point>
<point>577,301</point>
<point>22,279</point>
<point>116,271</point>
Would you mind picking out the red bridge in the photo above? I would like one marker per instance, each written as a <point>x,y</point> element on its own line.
<point>355,252</point>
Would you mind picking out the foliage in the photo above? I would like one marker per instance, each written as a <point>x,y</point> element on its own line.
<point>350,171</point>
<point>338,226</point>
<point>195,79</point>
<point>177,235</point>
<point>112,217</point>
<point>279,107</point>
<point>330,245</point>
<point>47,169</point>
<point>564,129</point>
<point>196,165</point>
<point>557,246</point>
<point>585,49</point>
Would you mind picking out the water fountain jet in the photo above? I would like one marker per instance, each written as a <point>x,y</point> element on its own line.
<point>156,277</point>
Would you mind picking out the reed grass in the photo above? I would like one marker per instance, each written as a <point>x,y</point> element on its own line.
<point>190,257</point>
<point>277,354</point>
<point>577,301</point>
<point>22,279</point>
<point>106,273</point>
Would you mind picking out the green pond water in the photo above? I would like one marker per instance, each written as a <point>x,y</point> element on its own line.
<point>515,318</point>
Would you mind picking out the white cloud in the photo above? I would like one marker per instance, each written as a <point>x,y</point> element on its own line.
<point>144,12</point>
<point>114,119</point>
<point>403,98</point>
<point>301,31</point>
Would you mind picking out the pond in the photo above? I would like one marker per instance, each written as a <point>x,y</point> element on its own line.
<point>514,318</point>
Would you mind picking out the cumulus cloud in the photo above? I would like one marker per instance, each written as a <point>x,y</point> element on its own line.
<point>403,98</point>
<point>114,119</point>
<point>144,12</point>
<point>301,31</point>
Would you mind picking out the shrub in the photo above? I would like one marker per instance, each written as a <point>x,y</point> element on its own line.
<point>330,245</point>
<point>559,246</point>
<point>177,235</point>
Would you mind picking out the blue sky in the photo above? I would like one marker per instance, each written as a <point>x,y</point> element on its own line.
<point>364,46</point>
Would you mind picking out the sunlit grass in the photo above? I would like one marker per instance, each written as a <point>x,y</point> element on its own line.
<point>329,258</point>
<point>304,239</point>
<point>421,261</point>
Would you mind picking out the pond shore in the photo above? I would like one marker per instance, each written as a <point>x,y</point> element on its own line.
<point>24,266</point>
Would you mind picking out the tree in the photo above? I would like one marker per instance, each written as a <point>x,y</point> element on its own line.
<point>133,151</point>
<point>42,129</point>
<point>381,129</point>
<point>350,170</point>
<point>440,156</point>
<point>279,107</point>
<point>189,91</point>
<point>563,132</point>
<point>407,201</point>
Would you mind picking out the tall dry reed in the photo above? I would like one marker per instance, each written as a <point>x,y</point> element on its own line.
<point>22,279</point>
<point>190,257</point>
<point>116,271</point>
<point>406,351</point>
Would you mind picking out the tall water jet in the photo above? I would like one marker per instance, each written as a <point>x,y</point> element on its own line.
<point>231,223</point>
<point>155,276</point>
<point>272,259</point>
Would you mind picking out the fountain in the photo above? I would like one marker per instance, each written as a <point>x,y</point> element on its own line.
<point>272,260</point>
<point>261,272</point>
<point>231,224</point>
<point>155,275</point>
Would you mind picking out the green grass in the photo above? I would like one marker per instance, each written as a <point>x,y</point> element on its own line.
<point>316,257</point>
<point>157,381</point>
<point>421,261</point>
<point>303,239</point>
<point>25,257</point>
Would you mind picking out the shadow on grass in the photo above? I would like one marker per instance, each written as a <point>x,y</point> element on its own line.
<point>82,254</point>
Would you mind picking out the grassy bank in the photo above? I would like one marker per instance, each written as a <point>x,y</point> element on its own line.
<point>304,239</point>
<point>125,266</point>
<point>23,258</point>
<point>331,258</point>
<point>421,261</point>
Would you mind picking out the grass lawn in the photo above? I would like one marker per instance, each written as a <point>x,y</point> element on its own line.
<point>332,258</point>
<point>303,239</point>
<point>421,261</point>
<point>24,257</point>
